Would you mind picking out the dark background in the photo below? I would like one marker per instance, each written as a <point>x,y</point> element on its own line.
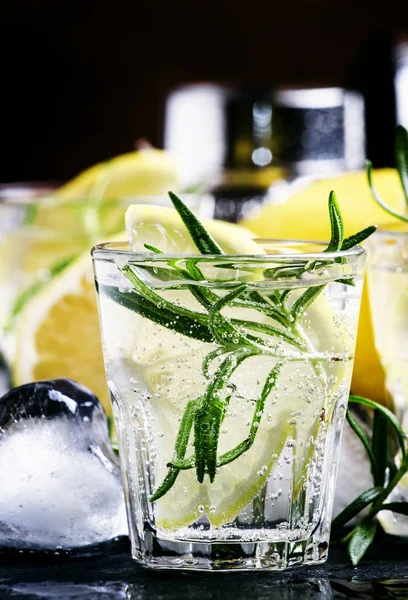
<point>81,81</point>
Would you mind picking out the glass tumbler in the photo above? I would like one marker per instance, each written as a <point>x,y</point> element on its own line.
<point>229,392</point>
<point>41,235</point>
<point>388,288</point>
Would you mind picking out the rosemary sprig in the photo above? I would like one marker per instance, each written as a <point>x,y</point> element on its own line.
<point>401,154</point>
<point>401,159</point>
<point>386,476</point>
<point>235,340</point>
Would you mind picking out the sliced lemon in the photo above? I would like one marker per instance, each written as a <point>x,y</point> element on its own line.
<point>82,212</point>
<point>358,210</point>
<point>162,227</point>
<point>148,171</point>
<point>57,334</point>
<point>388,289</point>
<point>167,369</point>
<point>290,413</point>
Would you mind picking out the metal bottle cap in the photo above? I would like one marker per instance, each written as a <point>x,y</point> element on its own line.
<point>318,131</point>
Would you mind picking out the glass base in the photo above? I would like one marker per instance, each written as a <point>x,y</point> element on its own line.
<point>220,556</point>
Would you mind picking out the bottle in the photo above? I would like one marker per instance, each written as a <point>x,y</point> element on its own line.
<point>277,142</point>
<point>249,169</point>
<point>194,124</point>
<point>318,132</point>
<point>246,146</point>
<point>221,136</point>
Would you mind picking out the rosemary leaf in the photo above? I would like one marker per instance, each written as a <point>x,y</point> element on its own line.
<point>207,425</point>
<point>379,444</point>
<point>270,383</point>
<point>359,431</point>
<point>392,419</point>
<point>355,507</point>
<point>34,288</point>
<point>336,223</point>
<point>186,325</point>
<point>160,302</point>
<point>211,356</point>
<point>304,301</point>
<point>209,416</point>
<point>204,242</point>
<point>378,199</point>
<point>398,507</point>
<point>361,539</point>
<point>357,238</point>
<point>401,153</point>
<point>153,249</point>
<point>182,438</point>
<point>270,330</point>
<point>274,313</point>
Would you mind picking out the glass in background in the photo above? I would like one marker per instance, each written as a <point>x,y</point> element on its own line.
<point>41,236</point>
<point>388,289</point>
<point>222,137</point>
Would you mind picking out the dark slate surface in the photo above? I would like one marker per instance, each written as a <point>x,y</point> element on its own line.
<point>114,576</point>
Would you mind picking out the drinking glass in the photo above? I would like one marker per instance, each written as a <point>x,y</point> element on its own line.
<point>229,378</point>
<point>388,288</point>
<point>42,234</point>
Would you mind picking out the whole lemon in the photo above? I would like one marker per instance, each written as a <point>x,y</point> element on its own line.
<point>304,215</point>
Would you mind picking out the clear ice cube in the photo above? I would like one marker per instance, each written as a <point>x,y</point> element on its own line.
<point>60,482</point>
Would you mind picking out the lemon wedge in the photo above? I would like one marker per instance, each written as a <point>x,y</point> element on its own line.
<point>359,209</point>
<point>162,227</point>
<point>58,334</point>
<point>148,171</point>
<point>86,210</point>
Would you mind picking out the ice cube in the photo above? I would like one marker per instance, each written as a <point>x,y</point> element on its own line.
<point>60,483</point>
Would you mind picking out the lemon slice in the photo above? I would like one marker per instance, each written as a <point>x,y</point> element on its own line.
<point>389,303</point>
<point>287,416</point>
<point>86,210</point>
<point>28,256</point>
<point>168,370</point>
<point>162,227</point>
<point>58,334</point>
<point>147,171</point>
<point>308,203</point>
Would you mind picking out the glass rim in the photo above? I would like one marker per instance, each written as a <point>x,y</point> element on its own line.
<point>107,250</point>
<point>20,196</point>
<point>387,230</point>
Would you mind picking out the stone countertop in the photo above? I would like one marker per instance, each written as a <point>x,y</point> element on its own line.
<point>114,576</point>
